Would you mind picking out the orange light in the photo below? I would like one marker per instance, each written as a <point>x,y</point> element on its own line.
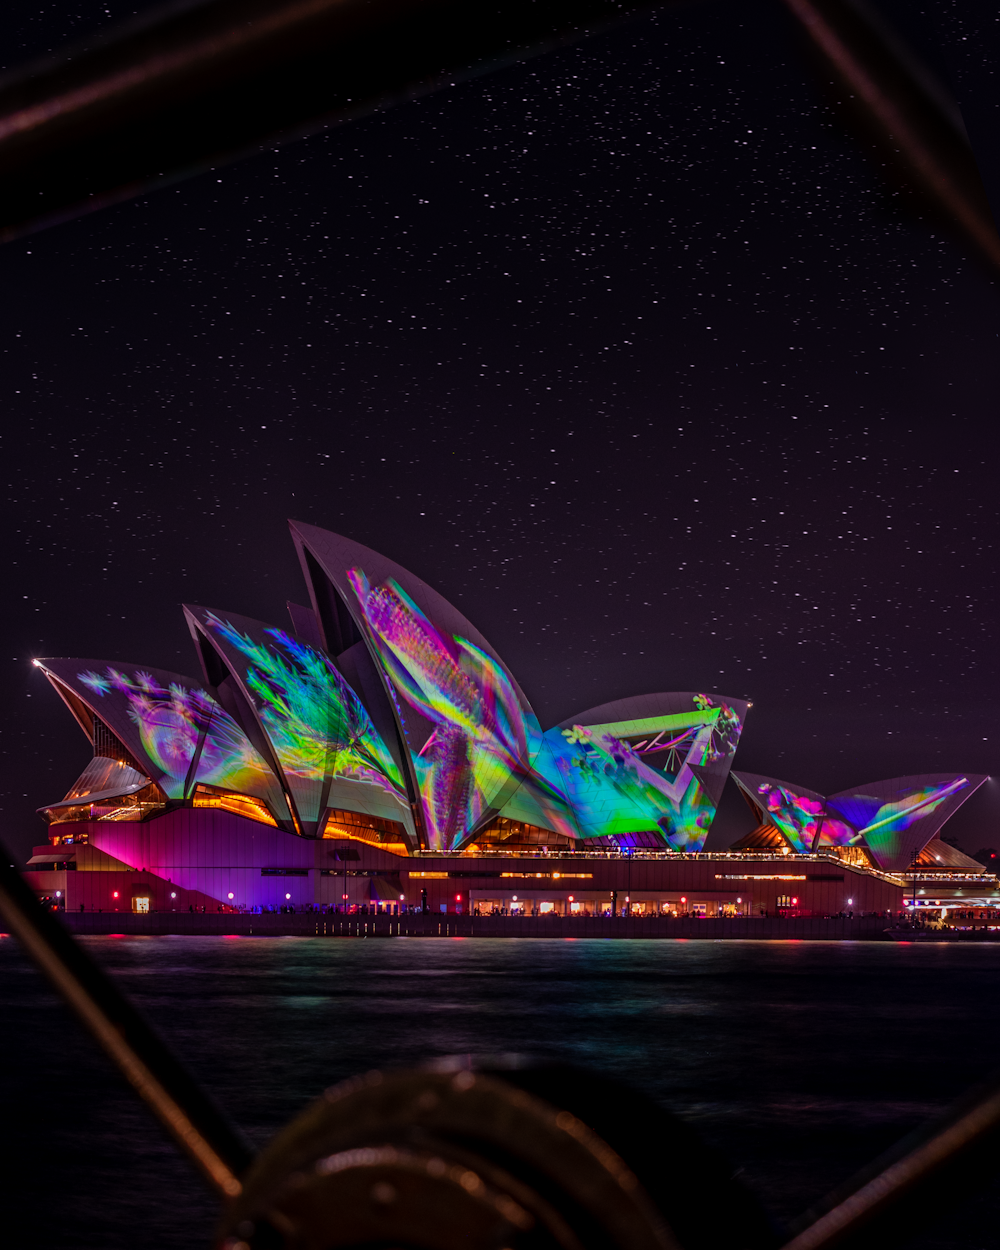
<point>238,804</point>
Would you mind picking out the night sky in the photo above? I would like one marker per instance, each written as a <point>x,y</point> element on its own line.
<point>626,350</point>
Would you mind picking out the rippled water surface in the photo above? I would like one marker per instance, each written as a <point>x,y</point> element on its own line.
<point>801,1060</point>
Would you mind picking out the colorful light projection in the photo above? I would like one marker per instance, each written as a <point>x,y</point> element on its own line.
<point>881,823</point>
<point>478,744</point>
<point>317,725</point>
<point>187,736</point>
<point>889,821</point>
<point>834,832</point>
<point>630,777</point>
<point>584,782</point>
<point>797,816</point>
<point>476,748</point>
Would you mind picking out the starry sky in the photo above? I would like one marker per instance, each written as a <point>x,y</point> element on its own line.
<point>628,350</point>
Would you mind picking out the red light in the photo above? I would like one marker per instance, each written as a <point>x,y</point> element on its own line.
<point>458,898</point>
<point>795,902</point>
<point>683,900</point>
<point>115,895</point>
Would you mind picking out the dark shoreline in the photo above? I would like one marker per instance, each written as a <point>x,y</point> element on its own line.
<point>312,924</point>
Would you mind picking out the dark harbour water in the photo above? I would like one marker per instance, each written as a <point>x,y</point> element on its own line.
<point>801,1060</point>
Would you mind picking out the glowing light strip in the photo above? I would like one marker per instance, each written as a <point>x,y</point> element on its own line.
<point>555,876</point>
<point>763,876</point>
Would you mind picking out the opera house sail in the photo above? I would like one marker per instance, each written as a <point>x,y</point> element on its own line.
<point>890,822</point>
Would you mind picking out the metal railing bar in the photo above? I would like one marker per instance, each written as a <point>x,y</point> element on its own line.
<point>919,129</point>
<point>960,1139</point>
<point>143,1058</point>
<point>208,83</point>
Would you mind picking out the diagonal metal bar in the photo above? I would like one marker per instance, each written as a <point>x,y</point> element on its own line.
<point>184,1109</point>
<point>921,132</point>
<point>204,83</point>
<point>962,1141</point>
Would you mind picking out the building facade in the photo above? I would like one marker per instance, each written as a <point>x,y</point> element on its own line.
<point>379,754</point>
<point>192,859</point>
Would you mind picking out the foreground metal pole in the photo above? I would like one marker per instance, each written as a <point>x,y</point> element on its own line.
<point>921,134</point>
<point>196,85</point>
<point>183,1108</point>
<point>966,1139</point>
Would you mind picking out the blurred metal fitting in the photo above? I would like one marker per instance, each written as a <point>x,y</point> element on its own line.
<point>445,1161</point>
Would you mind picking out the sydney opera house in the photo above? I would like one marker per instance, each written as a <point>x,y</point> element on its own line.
<point>377,754</point>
